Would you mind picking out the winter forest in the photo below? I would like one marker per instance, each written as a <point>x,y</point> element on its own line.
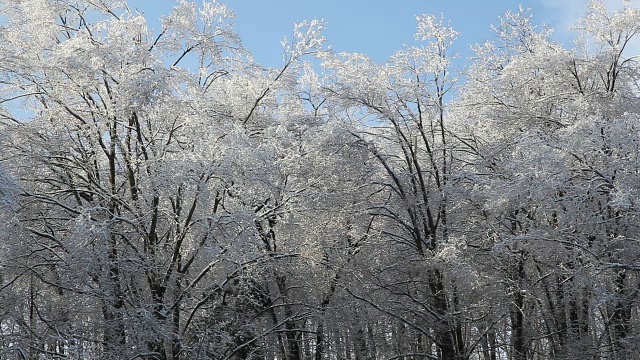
<point>165,197</point>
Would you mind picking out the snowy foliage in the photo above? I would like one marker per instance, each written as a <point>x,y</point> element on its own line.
<point>162,196</point>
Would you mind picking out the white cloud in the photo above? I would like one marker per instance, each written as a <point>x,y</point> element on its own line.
<point>562,15</point>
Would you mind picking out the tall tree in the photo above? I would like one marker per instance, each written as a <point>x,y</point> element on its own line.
<point>141,206</point>
<point>544,117</point>
<point>405,130</point>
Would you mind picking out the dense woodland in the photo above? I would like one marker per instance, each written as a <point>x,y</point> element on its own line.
<point>163,196</point>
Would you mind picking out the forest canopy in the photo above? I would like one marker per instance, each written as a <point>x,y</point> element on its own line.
<point>163,196</point>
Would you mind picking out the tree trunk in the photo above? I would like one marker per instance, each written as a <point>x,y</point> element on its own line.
<point>176,342</point>
<point>319,351</point>
<point>157,295</point>
<point>445,331</point>
<point>291,334</point>
<point>621,317</point>
<point>114,329</point>
<point>517,312</point>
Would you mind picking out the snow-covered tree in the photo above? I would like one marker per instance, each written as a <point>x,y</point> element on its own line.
<point>142,167</point>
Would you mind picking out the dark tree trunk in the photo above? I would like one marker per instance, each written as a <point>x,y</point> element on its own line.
<point>291,333</point>
<point>114,335</point>
<point>445,331</point>
<point>517,309</point>
<point>621,317</point>
<point>176,343</point>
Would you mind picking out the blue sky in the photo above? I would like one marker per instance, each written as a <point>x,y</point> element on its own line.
<point>376,28</point>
